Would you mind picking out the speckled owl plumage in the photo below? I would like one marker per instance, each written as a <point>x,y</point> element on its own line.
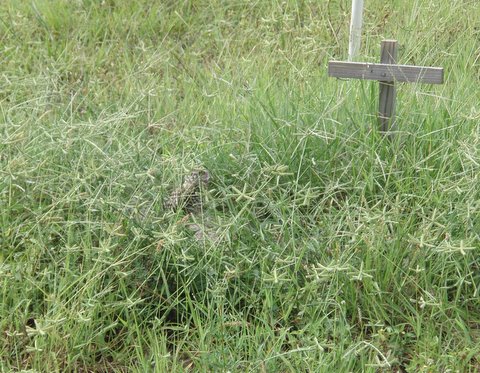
<point>187,196</point>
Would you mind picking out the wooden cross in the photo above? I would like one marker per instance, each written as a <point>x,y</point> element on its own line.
<point>387,72</point>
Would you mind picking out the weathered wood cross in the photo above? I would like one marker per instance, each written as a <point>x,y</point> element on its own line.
<point>387,73</point>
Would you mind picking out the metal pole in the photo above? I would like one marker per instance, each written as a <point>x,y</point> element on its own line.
<point>355,29</point>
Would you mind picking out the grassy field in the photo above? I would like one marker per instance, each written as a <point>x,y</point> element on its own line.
<point>334,250</point>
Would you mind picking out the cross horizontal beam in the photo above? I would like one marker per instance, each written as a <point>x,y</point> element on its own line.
<point>386,72</point>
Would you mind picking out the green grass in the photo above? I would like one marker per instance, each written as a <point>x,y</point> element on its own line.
<point>340,250</point>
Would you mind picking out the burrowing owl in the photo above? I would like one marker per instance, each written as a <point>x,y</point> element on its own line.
<point>187,196</point>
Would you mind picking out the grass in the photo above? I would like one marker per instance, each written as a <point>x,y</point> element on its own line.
<point>338,250</point>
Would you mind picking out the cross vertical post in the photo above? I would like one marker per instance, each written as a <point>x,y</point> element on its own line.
<point>388,92</point>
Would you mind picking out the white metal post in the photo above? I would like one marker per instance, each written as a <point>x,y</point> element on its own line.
<point>355,29</point>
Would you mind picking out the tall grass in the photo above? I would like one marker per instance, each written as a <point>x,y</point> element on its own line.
<point>335,248</point>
